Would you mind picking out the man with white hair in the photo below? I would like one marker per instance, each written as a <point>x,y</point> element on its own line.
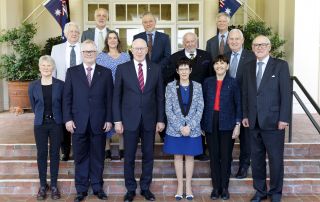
<point>99,33</point>
<point>66,55</point>
<point>239,59</point>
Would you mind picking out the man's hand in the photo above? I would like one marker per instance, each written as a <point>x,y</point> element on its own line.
<point>70,126</point>
<point>107,126</point>
<point>282,125</point>
<point>245,122</point>
<point>160,126</point>
<point>118,127</point>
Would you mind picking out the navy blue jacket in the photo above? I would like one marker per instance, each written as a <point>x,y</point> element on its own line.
<point>37,103</point>
<point>230,104</point>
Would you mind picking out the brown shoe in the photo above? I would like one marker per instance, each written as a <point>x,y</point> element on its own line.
<point>42,193</point>
<point>55,193</point>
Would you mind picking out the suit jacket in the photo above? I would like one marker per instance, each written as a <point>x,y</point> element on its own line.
<point>58,53</point>
<point>213,47</point>
<point>161,50</point>
<point>230,104</point>
<point>176,115</point>
<point>245,57</point>
<point>37,103</point>
<point>130,105</point>
<point>201,66</point>
<point>271,102</point>
<point>83,103</point>
<point>89,34</point>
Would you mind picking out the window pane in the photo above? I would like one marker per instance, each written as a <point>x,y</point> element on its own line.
<point>166,12</point>
<point>193,12</point>
<point>165,30</point>
<point>155,10</point>
<point>182,12</point>
<point>91,9</point>
<point>142,8</point>
<point>131,12</point>
<point>181,32</point>
<point>120,12</point>
<point>126,37</point>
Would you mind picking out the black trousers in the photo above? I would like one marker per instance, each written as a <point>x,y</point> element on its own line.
<point>272,143</point>
<point>51,131</point>
<point>220,151</point>
<point>131,139</point>
<point>245,148</point>
<point>66,142</point>
<point>88,153</point>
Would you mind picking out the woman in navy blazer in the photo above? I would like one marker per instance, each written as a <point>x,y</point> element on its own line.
<point>45,96</point>
<point>221,123</point>
<point>184,107</point>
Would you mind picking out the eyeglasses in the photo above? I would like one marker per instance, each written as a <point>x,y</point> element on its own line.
<point>184,70</point>
<point>260,45</point>
<point>89,52</point>
<point>139,49</point>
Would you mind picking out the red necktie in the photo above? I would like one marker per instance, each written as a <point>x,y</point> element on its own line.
<point>89,75</point>
<point>140,77</point>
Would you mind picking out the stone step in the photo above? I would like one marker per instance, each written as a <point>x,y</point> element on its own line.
<point>201,186</point>
<point>162,168</point>
<point>292,151</point>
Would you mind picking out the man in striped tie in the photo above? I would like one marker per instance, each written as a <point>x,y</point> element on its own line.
<point>138,112</point>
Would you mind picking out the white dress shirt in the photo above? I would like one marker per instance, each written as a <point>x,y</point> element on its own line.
<point>96,35</point>
<point>188,54</point>
<point>265,61</point>
<point>68,51</point>
<point>92,71</point>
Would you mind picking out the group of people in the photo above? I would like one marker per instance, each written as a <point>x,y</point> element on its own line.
<point>194,98</point>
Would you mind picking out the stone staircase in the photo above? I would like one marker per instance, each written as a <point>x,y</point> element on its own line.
<point>19,175</point>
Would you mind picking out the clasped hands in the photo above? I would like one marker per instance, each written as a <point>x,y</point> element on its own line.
<point>185,130</point>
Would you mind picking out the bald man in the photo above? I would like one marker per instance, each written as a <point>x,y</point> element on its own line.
<point>138,112</point>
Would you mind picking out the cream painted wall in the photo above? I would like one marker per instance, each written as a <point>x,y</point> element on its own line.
<point>210,12</point>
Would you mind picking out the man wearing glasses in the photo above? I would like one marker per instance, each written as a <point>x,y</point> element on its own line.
<point>87,113</point>
<point>266,111</point>
<point>138,112</point>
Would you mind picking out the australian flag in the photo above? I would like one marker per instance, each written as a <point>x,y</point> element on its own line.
<point>59,9</point>
<point>229,6</point>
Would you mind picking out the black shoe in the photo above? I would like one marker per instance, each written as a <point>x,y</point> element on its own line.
<point>129,196</point>
<point>64,157</point>
<point>80,196</point>
<point>121,154</point>
<point>42,193</point>
<point>225,194</point>
<point>55,193</point>
<point>108,155</point>
<point>214,194</point>
<point>257,198</point>
<point>148,195</point>
<point>202,157</point>
<point>242,173</point>
<point>101,195</point>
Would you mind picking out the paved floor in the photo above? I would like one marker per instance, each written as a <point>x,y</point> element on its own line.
<point>19,129</point>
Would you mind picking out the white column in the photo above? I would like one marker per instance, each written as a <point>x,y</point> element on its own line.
<point>307,50</point>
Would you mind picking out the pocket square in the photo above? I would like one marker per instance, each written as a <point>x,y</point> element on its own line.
<point>273,76</point>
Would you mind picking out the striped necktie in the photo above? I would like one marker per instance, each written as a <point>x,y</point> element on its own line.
<point>140,77</point>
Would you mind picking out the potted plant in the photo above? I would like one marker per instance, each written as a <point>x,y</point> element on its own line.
<point>20,65</point>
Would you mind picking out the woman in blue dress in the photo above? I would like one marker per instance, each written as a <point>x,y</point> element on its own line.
<point>111,57</point>
<point>184,106</point>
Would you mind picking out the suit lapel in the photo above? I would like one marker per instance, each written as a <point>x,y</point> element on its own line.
<point>133,74</point>
<point>39,90</point>
<point>267,72</point>
<point>54,90</point>
<point>82,74</point>
<point>149,75</point>
<point>96,74</point>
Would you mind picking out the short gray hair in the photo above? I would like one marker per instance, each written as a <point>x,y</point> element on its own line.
<point>66,27</point>
<point>88,41</point>
<point>47,58</point>
<point>237,30</point>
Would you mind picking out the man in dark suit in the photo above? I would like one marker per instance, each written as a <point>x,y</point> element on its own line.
<point>201,68</point>
<point>160,41</point>
<point>266,111</point>
<point>87,113</point>
<point>138,112</point>
<point>239,59</point>
<point>99,33</point>
<point>217,45</point>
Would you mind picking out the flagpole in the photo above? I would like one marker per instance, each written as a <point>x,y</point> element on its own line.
<point>34,10</point>
<point>248,7</point>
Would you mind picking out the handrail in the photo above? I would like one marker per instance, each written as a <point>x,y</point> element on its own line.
<point>313,103</point>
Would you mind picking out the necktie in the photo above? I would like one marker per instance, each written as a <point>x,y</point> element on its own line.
<point>259,74</point>
<point>233,65</point>
<point>149,44</point>
<point>100,42</point>
<point>89,75</point>
<point>73,61</point>
<point>140,77</point>
<point>221,46</point>
<point>191,56</point>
